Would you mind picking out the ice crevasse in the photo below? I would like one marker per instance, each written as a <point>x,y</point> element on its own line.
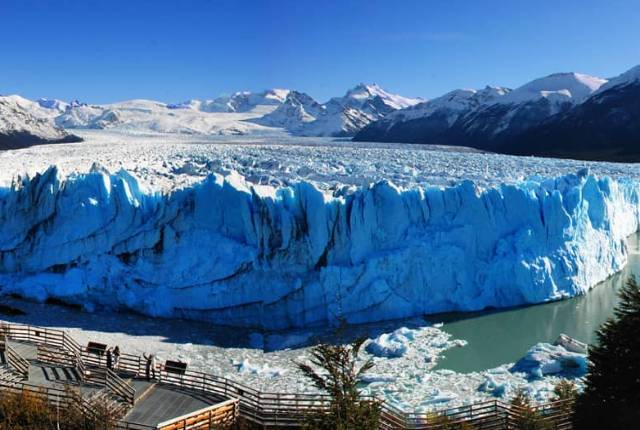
<point>232,253</point>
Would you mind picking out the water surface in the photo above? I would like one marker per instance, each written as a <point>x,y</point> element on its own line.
<point>504,336</point>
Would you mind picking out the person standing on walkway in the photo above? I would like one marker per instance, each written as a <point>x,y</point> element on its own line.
<point>150,366</point>
<point>116,356</point>
<point>109,359</point>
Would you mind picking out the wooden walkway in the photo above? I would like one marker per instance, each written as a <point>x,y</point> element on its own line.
<point>147,404</point>
<point>153,404</point>
<point>163,403</point>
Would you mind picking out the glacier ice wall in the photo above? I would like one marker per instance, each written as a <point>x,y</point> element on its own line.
<point>232,253</point>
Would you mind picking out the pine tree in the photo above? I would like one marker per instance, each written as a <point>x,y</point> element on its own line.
<point>336,372</point>
<point>611,398</point>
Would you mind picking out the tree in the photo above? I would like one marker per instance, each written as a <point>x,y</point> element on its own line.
<point>334,369</point>
<point>526,417</point>
<point>565,390</point>
<point>611,397</point>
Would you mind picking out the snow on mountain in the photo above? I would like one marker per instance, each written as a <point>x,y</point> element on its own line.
<point>558,88</point>
<point>486,118</point>
<point>301,115</point>
<point>58,105</point>
<point>243,101</point>
<point>228,251</point>
<point>270,111</point>
<point>363,93</point>
<point>296,110</point>
<point>603,127</point>
<point>25,123</point>
<point>194,117</point>
<point>631,76</point>
<point>451,104</point>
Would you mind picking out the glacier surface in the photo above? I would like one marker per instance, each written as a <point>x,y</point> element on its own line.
<point>231,252</point>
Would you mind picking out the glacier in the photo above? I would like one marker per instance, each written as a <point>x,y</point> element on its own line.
<point>230,252</point>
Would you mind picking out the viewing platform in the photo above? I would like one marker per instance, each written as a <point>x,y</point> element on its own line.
<point>50,363</point>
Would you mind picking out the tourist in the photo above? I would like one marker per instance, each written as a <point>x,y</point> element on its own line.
<point>109,359</point>
<point>116,356</point>
<point>150,366</point>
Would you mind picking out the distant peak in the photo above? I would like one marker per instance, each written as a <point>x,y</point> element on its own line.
<point>630,76</point>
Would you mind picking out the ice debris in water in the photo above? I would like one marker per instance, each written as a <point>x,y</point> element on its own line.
<point>490,385</point>
<point>245,366</point>
<point>391,345</point>
<point>546,359</point>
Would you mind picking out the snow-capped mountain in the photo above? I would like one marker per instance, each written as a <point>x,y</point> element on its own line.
<point>267,112</point>
<point>486,118</point>
<point>558,88</point>
<point>296,110</point>
<point>242,101</point>
<point>193,117</point>
<point>630,77</point>
<point>24,123</point>
<point>58,106</point>
<point>606,126</point>
<point>300,114</point>
<point>362,94</point>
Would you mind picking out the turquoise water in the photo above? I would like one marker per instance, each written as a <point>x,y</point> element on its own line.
<point>501,337</point>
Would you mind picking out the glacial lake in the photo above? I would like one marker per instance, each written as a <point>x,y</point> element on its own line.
<point>498,337</point>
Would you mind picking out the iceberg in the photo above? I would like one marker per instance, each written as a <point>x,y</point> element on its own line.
<point>391,345</point>
<point>546,359</point>
<point>227,251</point>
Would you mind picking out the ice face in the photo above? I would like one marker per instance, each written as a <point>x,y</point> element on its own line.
<point>226,251</point>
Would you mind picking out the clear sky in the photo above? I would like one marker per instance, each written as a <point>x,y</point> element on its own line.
<point>102,51</point>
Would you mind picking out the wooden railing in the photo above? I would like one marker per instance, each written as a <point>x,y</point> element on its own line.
<point>119,387</point>
<point>282,409</point>
<point>15,360</point>
<point>55,356</point>
<point>219,415</point>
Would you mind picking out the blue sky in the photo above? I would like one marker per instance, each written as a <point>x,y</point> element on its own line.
<point>102,51</point>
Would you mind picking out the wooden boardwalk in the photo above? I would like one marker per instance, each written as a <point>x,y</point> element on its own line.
<point>153,405</point>
<point>163,403</point>
<point>196,394</point>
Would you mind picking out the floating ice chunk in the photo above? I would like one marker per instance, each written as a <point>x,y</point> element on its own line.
<point>571,344</point>
<point>245,366</point>
<point>546,359</point>
<point>371,378</point>
<point>391,345</point>
<point>490,385</point>
<point>438,396</point>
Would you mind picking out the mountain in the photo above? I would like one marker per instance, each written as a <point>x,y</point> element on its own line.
<point>486,118</point>
<point>242,101</point>
<point>606,126</point>
<point>270,111</point>
<point>301,115</point>
<point>297,110</point>
<point>58,106</point>
<point>25,123</point>
<point>221,116</point>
